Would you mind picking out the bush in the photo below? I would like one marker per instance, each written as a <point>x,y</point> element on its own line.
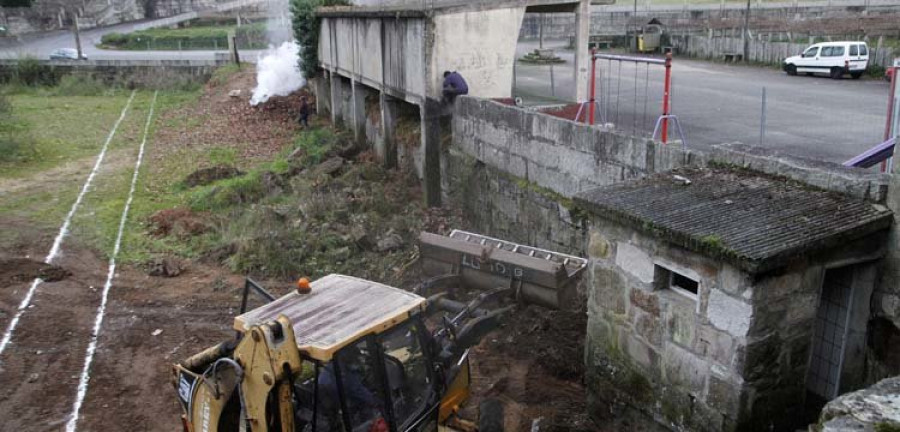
<point>114,39</point>
<point>230,192</point>
<point>81,85</point>
<point>16,144</point>
<point>29,71</point>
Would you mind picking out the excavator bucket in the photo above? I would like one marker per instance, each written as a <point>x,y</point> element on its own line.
<point>534,275</point>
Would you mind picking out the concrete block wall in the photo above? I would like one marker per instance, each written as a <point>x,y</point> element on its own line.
<point>557,154</point>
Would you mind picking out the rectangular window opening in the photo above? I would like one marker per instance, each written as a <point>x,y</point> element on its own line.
<point>685,283</point>
<point>675,281</point>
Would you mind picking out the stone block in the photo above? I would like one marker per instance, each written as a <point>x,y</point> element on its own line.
<point>638,351</point>
<point>648,327</point>
<point>724,396</point>
<point>635,262</point>
<point>681,323</point>
<point>646,301</point>
<point>729,314</point>
<point>716,345</point>
<point>734,281</point>
<point>685,369</point>
<point>609,288</point>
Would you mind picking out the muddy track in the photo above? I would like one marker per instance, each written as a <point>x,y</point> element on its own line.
<point>42,364</point>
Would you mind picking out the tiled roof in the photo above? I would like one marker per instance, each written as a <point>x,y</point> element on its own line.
<point>753,220</point>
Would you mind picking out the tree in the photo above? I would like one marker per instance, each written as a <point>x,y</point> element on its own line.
<point>306,31</point>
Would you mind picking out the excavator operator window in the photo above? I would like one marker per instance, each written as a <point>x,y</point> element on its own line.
<point>407,372</point>
<point>359,377</point>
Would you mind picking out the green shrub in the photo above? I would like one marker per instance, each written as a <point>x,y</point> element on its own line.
<point>16,144</point>
<point>114,39</point>
<point>81,85</point>
<point>29,71</point>
<point>229,192</point>
<point>315,145</point>
<point>222,156</point>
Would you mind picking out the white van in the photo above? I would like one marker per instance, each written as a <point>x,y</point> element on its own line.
<point>832,58</point>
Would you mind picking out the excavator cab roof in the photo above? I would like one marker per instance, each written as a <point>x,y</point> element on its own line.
<point>338,310</point>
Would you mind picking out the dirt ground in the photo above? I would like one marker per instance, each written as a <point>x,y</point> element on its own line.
<point>533,364</point>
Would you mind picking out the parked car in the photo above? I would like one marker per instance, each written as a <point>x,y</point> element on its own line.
<point>66,54</point>
<point>832,58</point>
<point>889,73</point>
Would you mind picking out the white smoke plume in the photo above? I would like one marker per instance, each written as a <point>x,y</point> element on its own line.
<point>277,73</point>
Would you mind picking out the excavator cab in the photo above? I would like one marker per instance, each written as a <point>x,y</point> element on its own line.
<point>349,355</point>
<point>353,355</point>
<point>379,382</point>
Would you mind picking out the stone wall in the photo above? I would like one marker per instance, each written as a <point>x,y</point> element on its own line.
<point>735,358</point>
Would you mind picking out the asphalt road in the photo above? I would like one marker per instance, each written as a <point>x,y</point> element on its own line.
<point>814,117</point>
<point>40,46</point>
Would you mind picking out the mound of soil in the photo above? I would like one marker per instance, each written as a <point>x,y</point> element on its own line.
<point>205,176</point>
<point>180,222</point>
<point>218,120</point>
<point>553,338</point>
<point>17,270</point>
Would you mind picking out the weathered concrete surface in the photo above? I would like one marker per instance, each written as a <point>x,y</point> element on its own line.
<point>557,154</point>
<point>480,45</point>
<point>404,48</point>
<point>874,409</point>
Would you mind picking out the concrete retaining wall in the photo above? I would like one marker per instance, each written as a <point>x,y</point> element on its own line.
<point>142,73</point>
<point>557,154</point>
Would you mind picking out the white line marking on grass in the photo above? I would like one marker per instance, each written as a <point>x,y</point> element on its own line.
<point>101,310</point>
<point>63,230</point>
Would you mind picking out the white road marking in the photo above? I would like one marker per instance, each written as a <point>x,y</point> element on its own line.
<point>101,310</point>
<point>63,231</point>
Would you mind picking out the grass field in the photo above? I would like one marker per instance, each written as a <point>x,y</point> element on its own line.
<point>198,37</point>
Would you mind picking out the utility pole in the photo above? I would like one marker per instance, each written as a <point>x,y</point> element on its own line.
<point>746,35</point>
<point>541,32</point>
<point>77,35</point>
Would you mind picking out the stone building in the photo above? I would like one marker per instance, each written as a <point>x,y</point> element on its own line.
<point>725,299</point>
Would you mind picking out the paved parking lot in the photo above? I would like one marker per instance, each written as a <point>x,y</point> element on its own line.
<point>809,116</point>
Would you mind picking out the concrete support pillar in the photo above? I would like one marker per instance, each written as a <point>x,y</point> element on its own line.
<point>582,54</point>
<point>322,88</point>
<point>336,98</point>
<point>431,148</point>
<point>358,112</point>
<point>387,152</point>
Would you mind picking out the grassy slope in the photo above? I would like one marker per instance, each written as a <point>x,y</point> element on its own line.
<point>65,128</point>
<point>55,178</point>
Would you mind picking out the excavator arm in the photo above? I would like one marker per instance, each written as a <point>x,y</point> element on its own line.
<point>222,387</point>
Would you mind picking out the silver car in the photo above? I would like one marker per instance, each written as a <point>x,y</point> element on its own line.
<point>66,54</point>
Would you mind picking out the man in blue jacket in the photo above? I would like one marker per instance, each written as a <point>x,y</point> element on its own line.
<point>454,85</point>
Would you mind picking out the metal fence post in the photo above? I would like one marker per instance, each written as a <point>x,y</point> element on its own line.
<point>762,120</point>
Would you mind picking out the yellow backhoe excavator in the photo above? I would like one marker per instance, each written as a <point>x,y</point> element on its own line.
<point>348,354</point>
